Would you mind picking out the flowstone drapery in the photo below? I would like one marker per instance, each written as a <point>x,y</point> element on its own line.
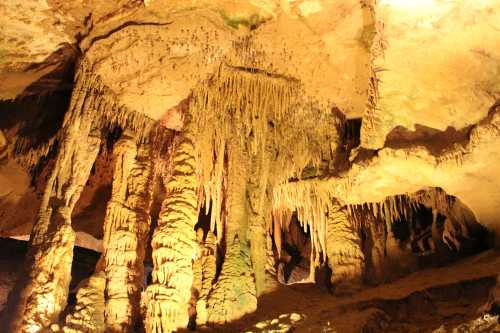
<point>174,245</point>
<point>126,229</point>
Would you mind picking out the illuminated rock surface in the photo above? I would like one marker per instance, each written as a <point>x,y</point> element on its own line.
<point>249,166</point>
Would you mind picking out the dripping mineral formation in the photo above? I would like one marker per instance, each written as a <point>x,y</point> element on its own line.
<point>249,166</point>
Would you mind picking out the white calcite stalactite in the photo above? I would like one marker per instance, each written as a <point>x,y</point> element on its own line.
<point>88,314</point>
<point>174,245</point>
<point>343,250</point>
<point>126,228</point>
<point>42,291</point>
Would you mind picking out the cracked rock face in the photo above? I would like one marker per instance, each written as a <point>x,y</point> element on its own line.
<point>212,149</point>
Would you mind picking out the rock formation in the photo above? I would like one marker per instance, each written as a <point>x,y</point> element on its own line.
<point>216,151</point>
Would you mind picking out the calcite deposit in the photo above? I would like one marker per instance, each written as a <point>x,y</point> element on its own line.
<point>250,165</point>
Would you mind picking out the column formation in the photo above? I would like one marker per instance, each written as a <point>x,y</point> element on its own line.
<point>174,245</point>
<point>234,295</point>
<point>42,291</point>
<point>344,251</point>
<point>88,314</point>
<point>208,270</point>
<point>126,228</point>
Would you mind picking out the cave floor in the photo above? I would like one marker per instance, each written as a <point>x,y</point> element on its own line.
<point>444,299</point>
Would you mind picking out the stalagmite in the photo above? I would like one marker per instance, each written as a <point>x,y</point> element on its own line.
<point>343,251</point>
<point>42,291</point>
<point>208,261</point>
<point>88,314</point>
<point>126,229</point>
<point>233,295</point>
<point>174,245</point>
<point>375,250</point>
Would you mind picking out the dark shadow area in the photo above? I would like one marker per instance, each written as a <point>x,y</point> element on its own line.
<point>434,140</point>
<point>294,262</point>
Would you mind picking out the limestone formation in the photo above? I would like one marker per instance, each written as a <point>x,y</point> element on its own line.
<point>208,265</point>
<point>233,295</point>
<point>126,228</point>
<point>42,291</point>
<point>344,251</point>
<point>88,314</point>
<point>340,143</point>
<point>174,245</point>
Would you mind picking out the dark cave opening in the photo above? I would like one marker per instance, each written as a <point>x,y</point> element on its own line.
<point>294,261</point>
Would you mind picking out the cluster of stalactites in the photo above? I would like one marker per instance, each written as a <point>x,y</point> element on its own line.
<point>402,207</point>
<point>266,115</point>
<point>314,201</point>
<point>312,205</point>
<point>234,105</point>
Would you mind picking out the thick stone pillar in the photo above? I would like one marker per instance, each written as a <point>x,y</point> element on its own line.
<point>344,252</point>
<point>126,228</point>
<point>234,295</point>
<point>174,245</point>
<point>259,213</point>
<point>42,291</point>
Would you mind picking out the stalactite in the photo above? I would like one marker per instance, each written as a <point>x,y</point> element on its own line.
<point>126,228</point>
<point>271,116</point>
<point>208,271</point>
<point>343,250</point>
<point>88,314</point>
<point>42,291</point>
<point>312,205</point>
<point>174,245</point>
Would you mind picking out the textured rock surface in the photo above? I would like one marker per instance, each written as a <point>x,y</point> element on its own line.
<point>174,246</point>
<point>88,314</point>
<point>368,130</point>
<point>126,229</point>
